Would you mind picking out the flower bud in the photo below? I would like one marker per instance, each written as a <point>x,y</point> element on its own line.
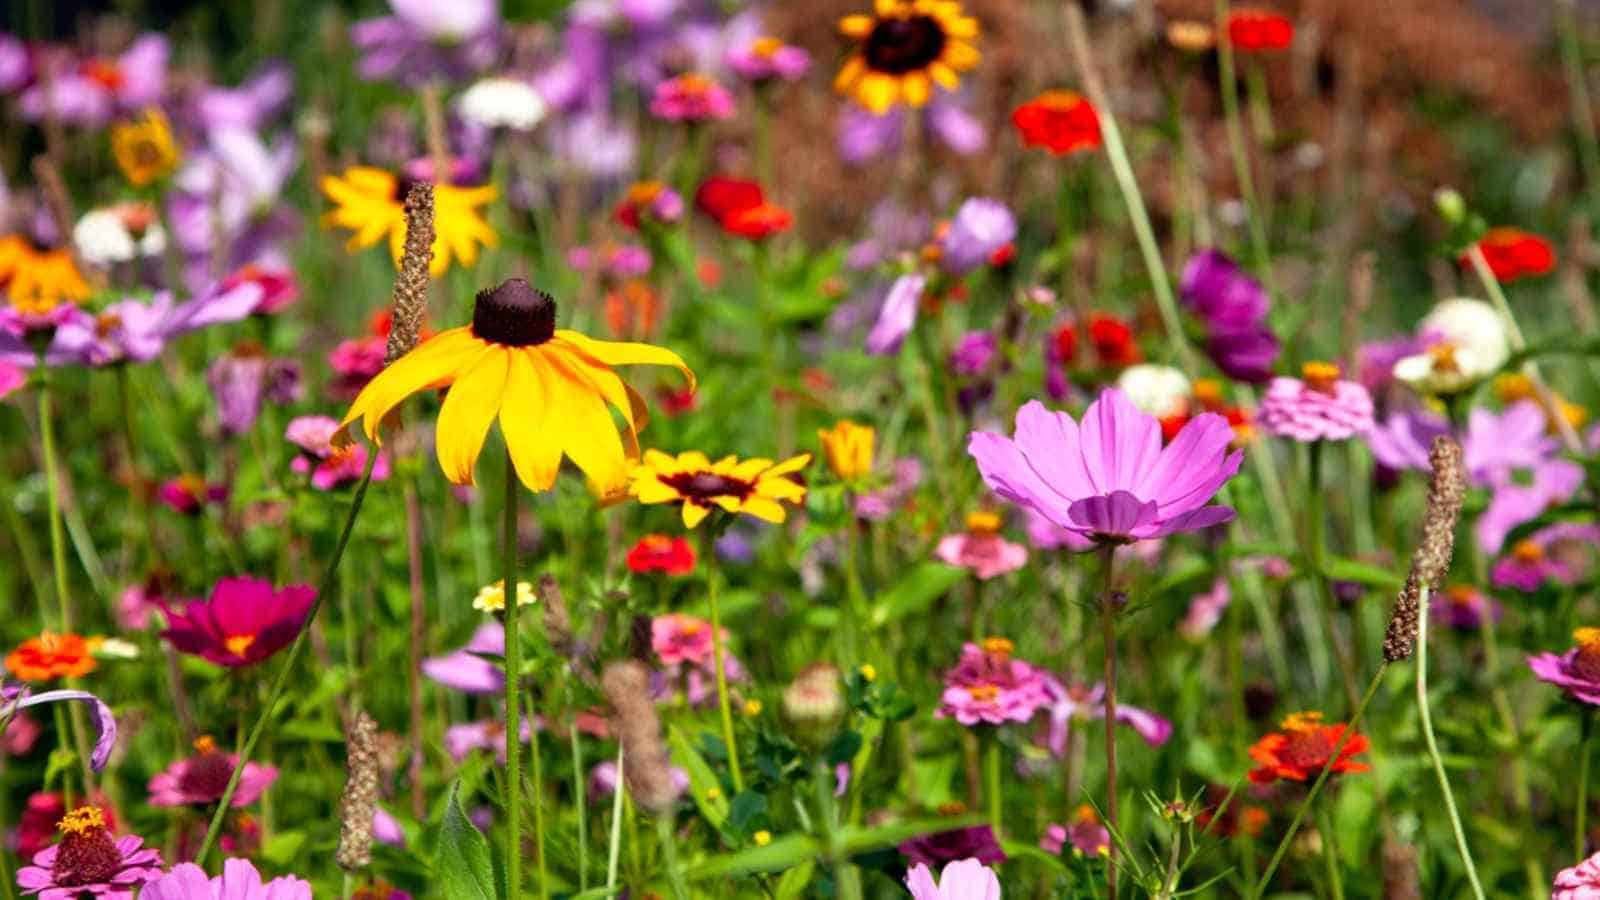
<point>814,704</point>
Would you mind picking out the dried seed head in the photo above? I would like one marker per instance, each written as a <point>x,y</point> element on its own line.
<point>1400,876</point>
<point>411,282</point>
<point>557,619</point>
<point>1431,560</point>
<point>645,767</point>
<point>360,799</point>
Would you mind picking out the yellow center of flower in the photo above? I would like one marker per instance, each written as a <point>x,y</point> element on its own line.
<point>1461,594</point>
<point>1059,99</point>
<point>1513,386</point>
<point>984,693</point>
<point>1208,392</point>
<point>82,820</point>
<point>1320,376</point>
<point>766,47</point>
<point>106,323</point>
<point>1302,722</point>
<point>643,192</point>
<point>1587,637</point>
<point>695,83</point>
<point>1084,813</point>
<point>35,303</point>
<point>204,744</point>
<point>998,647</point>
<point>983,522</point>
<point>762,838</point>
<point>1527,552</point>
<point>752,707</point>
<point>868,671</point>
<point>239,644</point>
<point>1444,357</point>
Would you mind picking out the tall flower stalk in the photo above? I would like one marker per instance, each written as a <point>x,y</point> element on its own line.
<point>1109,603</point>
<point>708,551</point>
<point>513,695</point>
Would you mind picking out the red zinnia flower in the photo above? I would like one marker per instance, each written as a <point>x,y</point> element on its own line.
<point>758,222</point>
<point>659,553</point>
<point>51,656</point>
<point>1113,342</point>
<point>720,197</point>
<point>1254,30</point>
<point>1059,121</point>
<point>1302,748</point>
<point>1513,253</point>
<point>1066,343</point>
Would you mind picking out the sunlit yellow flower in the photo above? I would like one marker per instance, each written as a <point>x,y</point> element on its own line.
<point>753,487</point>
<point>144,148</point>
<point>848,448</point>
<point>492,597</point>
<point>550,388</point>
<point>371,202</point>
<point>37,280</point>
<point>904,48</point>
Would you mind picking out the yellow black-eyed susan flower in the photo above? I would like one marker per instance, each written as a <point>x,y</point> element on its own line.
<point>754,487</point>
<point>550,389</point>
<point>36,279</point>
<point>904,48</point>
<point>144,148</point>
<point>371,203</point>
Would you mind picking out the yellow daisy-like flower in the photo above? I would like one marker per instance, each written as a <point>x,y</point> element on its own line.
<point>37,280</point>
<point>848,448</point>
<point>492,597</point>
<point>551,389</point>
<point>144,148</point>
<point>754,486</point>
<point>371,202</point>
<point>903,49</point>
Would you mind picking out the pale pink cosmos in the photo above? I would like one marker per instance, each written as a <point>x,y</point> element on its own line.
<point>679,637</point>
<point>981,549</point>
<point>1205,611</point>
<point>239,881</point>
<point>989,687</point>
<point>1577,671</point>
<point>1580,882</point>
<point>964,879</point>
<point>1323,407</point>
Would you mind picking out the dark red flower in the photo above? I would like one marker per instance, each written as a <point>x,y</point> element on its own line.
<point>1255,30</point>
<point>1113,341</point>
<point>1059,121</point>
<point>1065,340</point>
<point>1005,256</point>
<point>659,553</point>
<point>1302,748</point>
<point>1513,253</point>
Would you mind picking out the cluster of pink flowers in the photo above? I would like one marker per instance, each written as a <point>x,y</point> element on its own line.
<point>1320,406</point>
<point>989,687</point>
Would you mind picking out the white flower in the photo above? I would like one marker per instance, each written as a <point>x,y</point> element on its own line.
<point>492,597</point>
<point>113,648</point>
<point>1466,343</point>
<point>104,239</point>
<point>1159,391</point>
<point>502,103</point>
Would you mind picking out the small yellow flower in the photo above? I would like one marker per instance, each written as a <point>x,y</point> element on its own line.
<point>755,487</point>
<point>37,280</point>
<point>762,838</point>
<point>144,148</point>
<point>848,448</point>
<point>868,672</point>
<point>713,793</point>
<point>903,48</point>
<point>372,203</point>
<point>752,708</point>
<point>492,597</point>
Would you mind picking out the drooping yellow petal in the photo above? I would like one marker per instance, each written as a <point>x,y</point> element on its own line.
<point>849,73</point>
<point>693,515</point>
<point>434,363</point>
<point>589,434</point>
<point>763,508</point>
<point>528,422</point>
<point>792,464</point>
<point>469,409</point>
<point>610,386</point>
<point>626,353</point>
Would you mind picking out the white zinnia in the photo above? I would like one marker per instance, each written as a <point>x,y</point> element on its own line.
<point>1159,391</point>
<point>103,239</point>
<point>502,103</point>
<point>1467,343</point>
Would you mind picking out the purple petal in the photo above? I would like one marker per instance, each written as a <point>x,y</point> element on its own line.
<point>898,314</point>
<point>1118,514</point>
<point>1119,443</point>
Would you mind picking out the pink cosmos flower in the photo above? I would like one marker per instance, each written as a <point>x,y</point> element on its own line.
<point>1580,882</point>
<point>243,622</point>
<point>964,879</point>
<point>356,361</point>
<point>1323,407</point>
<point>766,59</point>
<point>89,861</point>
<point>239,881</point>
<point>329,467</point>
<point>1110,479</point>
<point>677,637</point>
<point>987,686</point>
<point>981,548</point>
<point>1083,702</point>
<point>460,741</point>
<point>1557,553</point>
<point>691,98</point>
<point>202,779</point>
<point>1085,834</point>
<point>1205,610</point>
<point>1577,671</point>
<point>466,670</point>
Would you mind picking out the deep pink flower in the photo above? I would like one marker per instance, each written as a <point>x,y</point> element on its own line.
<point>987,686</point>
<point>239,881</point>
<point>242,623</point>
<point>1110,479</point>
<point>1323,407</point>
<point>981,548</point>
<point>88,860</point>
<point>1577,671</point>
<point>1580,882</point>
<point>189,494</point>
<point>201,779</point>
<point>691,98</point>
<point>1464,608</point>
<point>1557,553</point>
<point>767,58</point>
<point>356,361</point>
<point>677,637</point>
<point>329,466</point>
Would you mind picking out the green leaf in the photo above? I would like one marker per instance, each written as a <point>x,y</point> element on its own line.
<point>703,782</point>
<point>866,840</point>
<point>842,748</point>
<point>1034,852</point>
<point>783,853</point>
<point>282,848</point>
<point>1362,573</point>
<point>746,810</point>
<point>794,882</point>
<point>1553,347</point>
<point>461,861</point>
<point>914,593</point>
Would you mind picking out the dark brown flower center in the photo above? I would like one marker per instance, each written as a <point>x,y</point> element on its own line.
<point>901,45</point>
<point>706,485</point>
<point>402,187</point>
<point>514,314</point>
<point>206,775</point>
<point>90,857</point>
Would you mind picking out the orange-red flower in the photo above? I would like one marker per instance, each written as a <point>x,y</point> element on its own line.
<point>1255,30</point>
<point>721,196</point>
<point>1302,748</point>
<point>631,309</point>
<point>1113,341</point>
<point>51,656</point>
<point>660,553</point>
<point>1059,121</point>
<point>1513,253</point>
<point>758,222</point>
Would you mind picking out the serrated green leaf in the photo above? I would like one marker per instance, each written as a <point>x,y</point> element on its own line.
<point>704,785</point>
<point>462,868</point>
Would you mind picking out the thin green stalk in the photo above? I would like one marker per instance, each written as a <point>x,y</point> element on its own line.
<point>614,853</point>
<point>845,884</point>
<point>669,848</point>
<point>281,682</point>
<point>1330,852</point>
<point>137,496</point>
<point>1229,88</point>
<point>536,755</point>
<point>1316,554</point>
<point>1433,747</point>
<point>513,694</point>
<point>708,557</point>
<point>1108,625</point>
<point>1581,829</point>
<point>991,781</point>
<point>579,796</point>
<point>1322,778</point>
<point>1578,91</point>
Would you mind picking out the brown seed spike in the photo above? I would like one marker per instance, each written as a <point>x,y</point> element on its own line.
<point>1431,560</point>
<point>411,282</point>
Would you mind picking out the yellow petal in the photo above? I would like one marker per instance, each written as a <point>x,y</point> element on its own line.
<point>885,7</point>
<point>762,508</point>
<point>589,435</point>
<point>946,76</point>
<point>960,56</point>
<point>610,386</point>
<point>857,26</point>
<point>849,73</point>
<point>527,423</point>
<point>693,461</point>
<point>792,464</point>
<point>469,409</point>
<point>626,353</point>
<point>750,468</point>
<point>435,362</point>
<point>916,88</point>
<point>963,27</point>
<point>660,462</point>
<point>652,490</point>
<point>878,92</point>
<point>693,515</point>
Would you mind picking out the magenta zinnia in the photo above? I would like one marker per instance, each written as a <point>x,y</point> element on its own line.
<point>1109,478</point>
<point>244,621</point>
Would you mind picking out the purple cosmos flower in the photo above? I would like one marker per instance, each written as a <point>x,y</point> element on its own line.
<point>1233,307</point>
<point>1375,360</point>
<point>461,741</point>
<point>863,136</point>
<point>87,93</point>
<point>1111,480</point>
<point>16,65</point>
<point>1083,702</point>
<point>239,881</point>
<point>988,686</point>
<point>425,40</point>
<point>973,353</point>
<point>386,828</point>
<point>1557,553</point>
<point>225,208</point>
<point>891,229</point>
<point>16,698</point>
<point>465,670</point>
<point>250,105</point>
<point>203,778</point>
<point>1577,671</point>
<point>21,333</point>
<point>981,227</point>
<point>977,842</point>
<point>603,780</point>
<point>963,879</point>
<point>897,315</point>
<point>1323,407</point>
<point>879,505</point>
<point>89,861</point>
<point>1464,608</point>
<point>135,331</point>
<point>245,379</point>
<point>243,622</point>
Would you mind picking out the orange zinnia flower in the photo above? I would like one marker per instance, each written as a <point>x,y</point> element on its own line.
<point>1302,748</point>
<point>1513,253</point>
<point>1059,121</point>
<point>1254,30</point>
<point>51,656</point>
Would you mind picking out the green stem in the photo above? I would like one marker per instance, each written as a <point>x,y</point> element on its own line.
<point>854,596</point>
<point>1316,554</point>
<point>1330,852</point>
<point>845,884</point>
<point>580,797</point>
<point>536,755</point>
<point>1581,829</point>
<point>614,853</point>
<point>1433,747</point>
<point>1240,153</point>
<point>708,557</point>
<point>1578,90</point>
<point>513,695</point>
<point>669,847</point>
<point>58,540</point>
<point>1108,626</point>
<point>281,683</point>
<point>991,778</point>
<point>1322,778</point>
